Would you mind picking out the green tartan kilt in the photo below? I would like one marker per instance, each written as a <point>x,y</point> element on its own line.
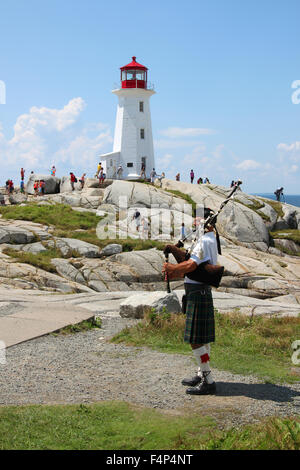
<point>200,321</point>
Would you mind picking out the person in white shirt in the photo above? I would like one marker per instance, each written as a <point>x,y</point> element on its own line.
<point>200,324</point>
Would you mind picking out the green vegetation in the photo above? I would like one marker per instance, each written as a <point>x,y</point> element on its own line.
<point>245,345</point>
<point>277,206</point>
<point>288,234</point>
<point>120,426</point>
<point>186,197</point>
<point>60,215</point>
<point>85,325</point>
<point>40,260</point>
<point>255,205</point>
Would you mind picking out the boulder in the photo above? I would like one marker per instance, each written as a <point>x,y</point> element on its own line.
<point>51,183</point>
<point>287,245</point>
<point>65,185</point>
<point>17,198</point>
<point>111,249</point>
<point>70,246</point>
<point>135,306</point>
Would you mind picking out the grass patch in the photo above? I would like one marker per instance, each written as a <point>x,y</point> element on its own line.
<point>79,327</point>
<point>186,197</point>
<point>121,426</point>
<point>289,234</point>
<point>40,260</point>
<point>276,205</point>
<point>259,346</point>
<point>128,244</point>
<point>255,206</point>
<point>61,216</point>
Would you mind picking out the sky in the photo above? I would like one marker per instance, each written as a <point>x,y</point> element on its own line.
<point>226,75</point>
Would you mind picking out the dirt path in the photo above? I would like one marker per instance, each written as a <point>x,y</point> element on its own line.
<point>85,368</point>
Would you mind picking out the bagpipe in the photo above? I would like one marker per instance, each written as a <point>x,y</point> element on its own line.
<point>206,272</point>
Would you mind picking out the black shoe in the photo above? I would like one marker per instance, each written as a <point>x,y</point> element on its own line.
<point>203,389</point>
<point>192,381</point>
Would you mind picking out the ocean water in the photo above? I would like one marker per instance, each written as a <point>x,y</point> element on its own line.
<point>293,199</point>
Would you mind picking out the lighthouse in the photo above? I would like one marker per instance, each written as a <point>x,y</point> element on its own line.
<point>133,141</point>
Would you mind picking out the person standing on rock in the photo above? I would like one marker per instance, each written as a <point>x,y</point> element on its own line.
<point>278,193</point>
<point>82,180</point>
<point>73,180</point>
<point>153,174</point>
<point>200,324</point>
<point>177,177</point>
<point>22,174</point>
<point>137,218</point>
<point>53,171</point>
<point>22,187</point>
<point>143,171</point>
<point>119,172</point>
<point>192,175</point>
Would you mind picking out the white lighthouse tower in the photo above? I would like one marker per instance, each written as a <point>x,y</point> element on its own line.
<point>133,141</point>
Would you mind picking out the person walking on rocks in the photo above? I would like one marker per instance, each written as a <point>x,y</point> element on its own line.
<point>143,171</point>
<point>22,174</point>
<point>101,177</point>
<point>137,218</point>
<point>200,325</point>
<point>278,193</point>
<point>99,168</point>
<point>82,180</point>
<point>73,180</point>
<point>53,171</point>
<point>192,175</point>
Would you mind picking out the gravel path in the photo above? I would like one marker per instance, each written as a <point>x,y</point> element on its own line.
<point>85,368</point>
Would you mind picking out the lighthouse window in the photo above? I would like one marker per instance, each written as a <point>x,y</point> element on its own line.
<point>142,133</point>
<point>141,106</point>
<point>129,165</point>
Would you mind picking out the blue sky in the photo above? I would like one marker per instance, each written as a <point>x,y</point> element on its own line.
<point>223,72</point>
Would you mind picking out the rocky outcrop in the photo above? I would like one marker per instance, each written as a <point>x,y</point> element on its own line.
<point>51,183</point>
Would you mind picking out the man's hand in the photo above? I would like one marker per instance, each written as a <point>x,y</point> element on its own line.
<point>177,271</point>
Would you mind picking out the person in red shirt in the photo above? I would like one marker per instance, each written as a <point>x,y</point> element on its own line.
<point>22,174</point>
<point>73,180</point>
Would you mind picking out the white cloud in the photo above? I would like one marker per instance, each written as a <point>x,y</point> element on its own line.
<point>247,165</point>
<point>173,144</point>
<point>46,136</point>
<point>289,148</point>
<point>177,132</point>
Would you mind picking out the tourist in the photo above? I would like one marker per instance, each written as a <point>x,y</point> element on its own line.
<point>82,180</point>
<point>143,171</point>
<point>177,177</point>
<point>42,187</point>
<point>160,178</point>
<point>206,181</point>
<point>101,177</point>
<point>22,187</point>
<point>137,218</point>
<point>36,187</point>
<point>22,174</point>
<point>200,180</point>
<point>192,175</point>
<point>278,193</point>
<point>119,172</point>
<point>153,174</point>
<point>53,171</point>
<point>99,168</point>
<point>73,180</point>
<point>11,187</point>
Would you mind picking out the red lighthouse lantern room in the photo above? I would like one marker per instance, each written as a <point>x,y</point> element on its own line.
<point>134,75</point>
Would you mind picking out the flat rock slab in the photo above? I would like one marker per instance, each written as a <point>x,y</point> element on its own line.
<point>31,320</point>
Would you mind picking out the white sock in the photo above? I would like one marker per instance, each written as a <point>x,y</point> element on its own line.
<point>201,354</point>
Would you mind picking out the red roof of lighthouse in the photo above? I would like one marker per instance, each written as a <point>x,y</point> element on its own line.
<point>134,65</point>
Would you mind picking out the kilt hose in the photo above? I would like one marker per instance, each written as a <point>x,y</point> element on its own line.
<point>200,321</point>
